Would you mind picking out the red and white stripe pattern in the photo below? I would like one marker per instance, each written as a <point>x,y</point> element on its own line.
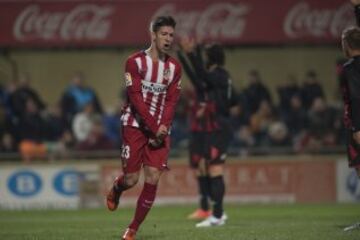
<point>157,75</point>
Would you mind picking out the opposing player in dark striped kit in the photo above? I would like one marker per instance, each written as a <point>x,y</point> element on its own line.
<point>350,86</point>
<point>202,122</point>
<point>217,98</point>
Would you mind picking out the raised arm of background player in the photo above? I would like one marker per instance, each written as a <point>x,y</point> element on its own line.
<point>195,57</point>
<point>211,81</point>
<point>187,45</point>
<point>133,89</point>
<point>215,81</point>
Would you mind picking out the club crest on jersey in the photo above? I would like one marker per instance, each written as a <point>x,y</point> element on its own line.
<point>128,79</point>
<point>167,74</point>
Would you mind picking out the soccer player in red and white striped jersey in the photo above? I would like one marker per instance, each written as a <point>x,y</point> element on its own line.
<point>152,81</point>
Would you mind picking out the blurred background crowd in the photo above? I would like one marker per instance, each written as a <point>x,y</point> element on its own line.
<point>297,119</point>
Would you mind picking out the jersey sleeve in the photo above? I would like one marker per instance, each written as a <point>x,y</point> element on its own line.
<point>133,88</point>
<point>194,79</point>
<point>346,99</point>
<point>196,60</point>
<point>171,99</point>
<point>354,89</point>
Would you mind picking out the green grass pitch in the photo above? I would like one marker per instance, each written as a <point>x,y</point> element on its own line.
<point>246,222</point>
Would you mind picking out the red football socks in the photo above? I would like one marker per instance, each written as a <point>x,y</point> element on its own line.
<point>144,204</point>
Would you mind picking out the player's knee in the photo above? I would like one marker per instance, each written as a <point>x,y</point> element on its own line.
<point>131,180</point>
<point>152,175</point>
<point>152,179</point>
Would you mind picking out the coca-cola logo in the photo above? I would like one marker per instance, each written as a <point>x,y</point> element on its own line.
<point>304,21</point>
<point>83,22</point>
<point>222,20</point>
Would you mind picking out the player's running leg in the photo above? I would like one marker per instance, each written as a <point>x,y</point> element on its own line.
<point>120,184</point>
<point>145,200</point>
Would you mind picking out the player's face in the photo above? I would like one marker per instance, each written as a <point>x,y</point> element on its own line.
<point>164,38</point>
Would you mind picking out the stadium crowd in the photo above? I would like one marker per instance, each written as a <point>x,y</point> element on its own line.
<point>35,130</point>
<point>301,120</point>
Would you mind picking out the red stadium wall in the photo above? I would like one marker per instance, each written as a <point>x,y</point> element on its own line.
<point>125,23</point>
<point>256,181</point>
<point>303,179</point>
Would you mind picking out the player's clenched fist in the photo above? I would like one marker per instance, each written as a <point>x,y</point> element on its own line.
<point>161,132</point>
<point>160,135</point>
<point>156,143</point>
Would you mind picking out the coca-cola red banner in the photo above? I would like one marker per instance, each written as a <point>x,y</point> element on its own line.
<point>125,23</point>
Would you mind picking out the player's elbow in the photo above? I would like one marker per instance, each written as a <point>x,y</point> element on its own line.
<point>356,137</point>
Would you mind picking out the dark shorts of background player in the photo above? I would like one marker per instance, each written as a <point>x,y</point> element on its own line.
<point>353,150</point>
<point>197,148</point>
<point>217,145</point>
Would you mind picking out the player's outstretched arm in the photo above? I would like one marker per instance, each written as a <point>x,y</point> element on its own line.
<point>198,64</point>
<point>188,46</point>
<point>187,68</point>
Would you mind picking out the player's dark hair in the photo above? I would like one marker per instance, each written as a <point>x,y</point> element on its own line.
<point>351,36</point>
<point>161,21</point>
<point>215,54</point>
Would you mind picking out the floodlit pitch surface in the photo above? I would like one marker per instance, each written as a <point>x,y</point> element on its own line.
<point>246,222</point>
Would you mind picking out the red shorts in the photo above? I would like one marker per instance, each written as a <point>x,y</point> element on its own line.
<point>137,152</point>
